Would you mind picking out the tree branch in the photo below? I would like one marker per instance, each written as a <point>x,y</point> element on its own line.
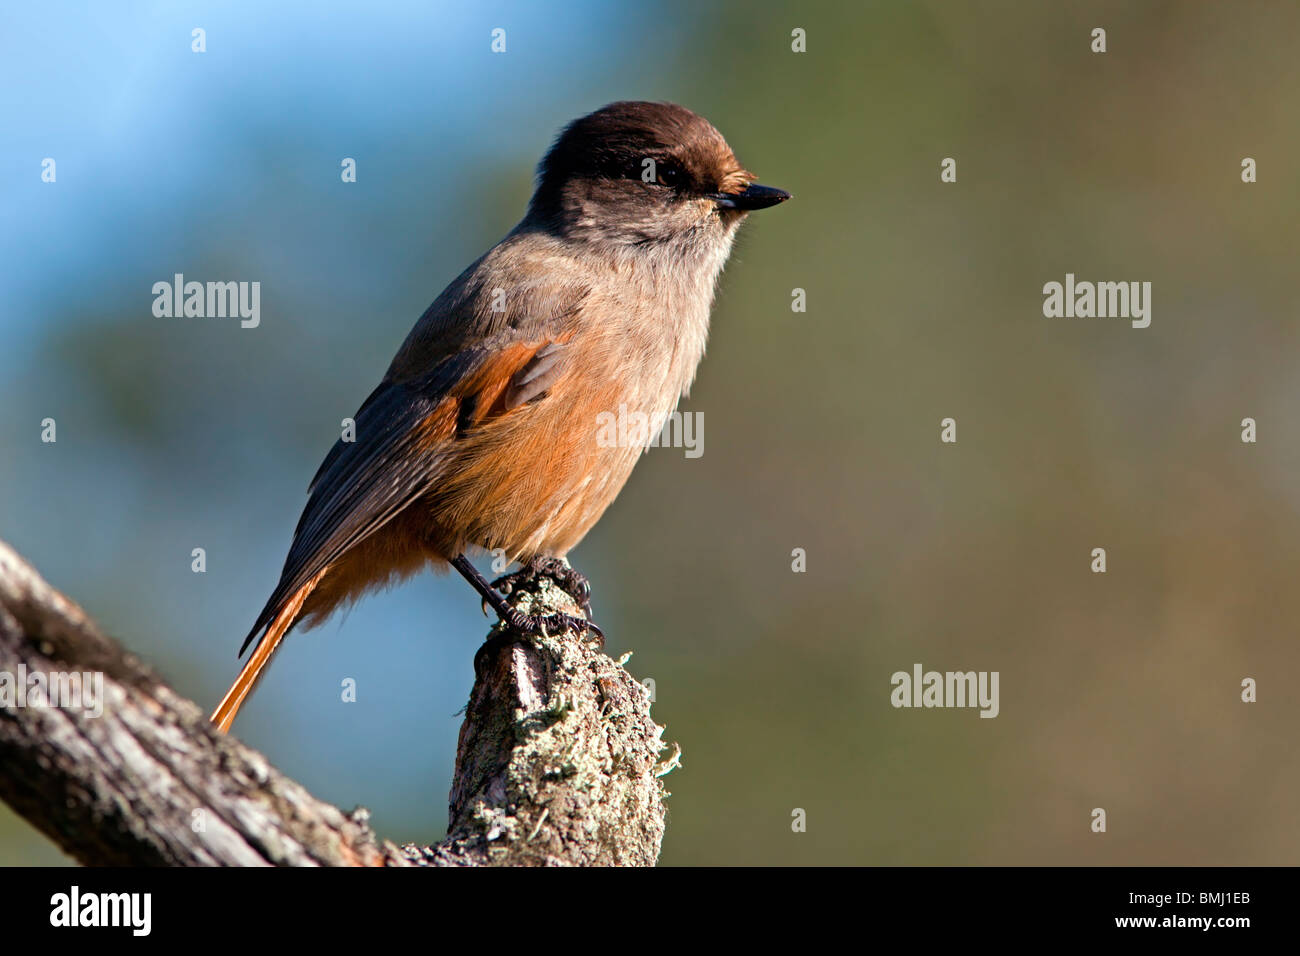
<point>558,761</point>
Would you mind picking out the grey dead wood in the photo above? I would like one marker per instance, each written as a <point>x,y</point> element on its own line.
<point>558,762</point>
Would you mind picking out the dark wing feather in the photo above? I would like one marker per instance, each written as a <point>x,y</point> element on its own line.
<point>340,445</point>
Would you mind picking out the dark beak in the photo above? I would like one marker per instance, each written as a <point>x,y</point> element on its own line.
<point>754,197</point>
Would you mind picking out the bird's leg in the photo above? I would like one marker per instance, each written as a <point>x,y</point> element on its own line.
<point>573,582</point>
<point>517,619</point>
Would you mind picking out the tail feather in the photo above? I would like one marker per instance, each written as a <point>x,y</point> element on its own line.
<point>284,619</point>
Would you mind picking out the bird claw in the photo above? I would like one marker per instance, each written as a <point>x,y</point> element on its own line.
<point>574,583</point>
<point>553,623</point>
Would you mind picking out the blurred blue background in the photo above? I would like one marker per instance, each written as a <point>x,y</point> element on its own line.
<point>822,427</point>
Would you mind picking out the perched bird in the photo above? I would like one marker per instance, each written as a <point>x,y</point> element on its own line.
<point>484,430</point>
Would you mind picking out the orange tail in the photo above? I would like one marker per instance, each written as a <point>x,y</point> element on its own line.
<point>224,715</point>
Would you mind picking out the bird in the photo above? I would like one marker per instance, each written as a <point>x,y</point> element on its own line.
<point>483,431</point>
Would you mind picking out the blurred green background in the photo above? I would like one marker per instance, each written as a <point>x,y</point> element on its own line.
<point>924,301</point>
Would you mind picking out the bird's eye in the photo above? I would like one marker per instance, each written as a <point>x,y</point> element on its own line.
<point>656,172</point>
<point>669,175</point>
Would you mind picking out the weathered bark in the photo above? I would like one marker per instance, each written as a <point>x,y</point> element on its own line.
<point>558,762</point>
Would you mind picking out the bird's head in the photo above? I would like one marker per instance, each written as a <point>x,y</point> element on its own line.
<point>643,174</point>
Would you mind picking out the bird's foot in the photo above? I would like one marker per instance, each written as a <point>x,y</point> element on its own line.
<point>574,583</point>
<point>517,622</point>
<point>551,624</point>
